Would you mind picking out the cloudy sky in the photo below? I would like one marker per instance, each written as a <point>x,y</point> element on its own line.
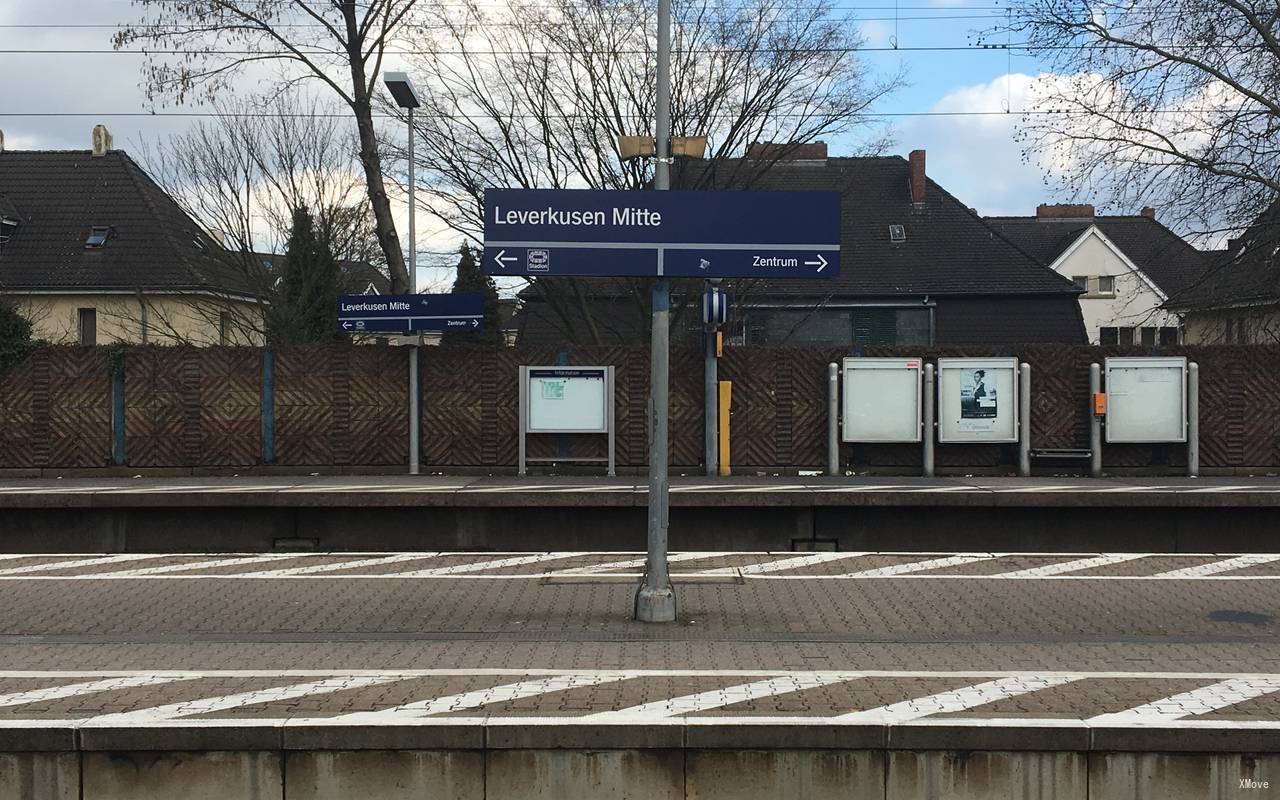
<point>975,157</point>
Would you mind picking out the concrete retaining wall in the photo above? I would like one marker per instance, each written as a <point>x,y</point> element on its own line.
<point>902,528</point>
<point>635,775</point>
<point>690,761</point>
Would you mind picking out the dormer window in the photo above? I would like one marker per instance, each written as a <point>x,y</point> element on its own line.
<point>99,235</point>
<point>7,226</point>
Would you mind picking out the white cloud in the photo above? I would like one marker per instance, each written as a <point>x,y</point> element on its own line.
<point>876,33</point>
<point>976,157</point>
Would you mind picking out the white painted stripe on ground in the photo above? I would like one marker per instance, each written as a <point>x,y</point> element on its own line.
<point>630,563</point>
<point>1064,567</point>
<point>477,566</point>
<point>959,699</point>
<point>1204,700</point>
<point>52,489</point>
<point>425,489</point>
<point>494,694</point>
<point>1205,489</point>
<point>507,488</point>
<point>399,674</point>
<point>1215,567</point>
<point>737,721</point>
<point>918,566</point>
<point>74,689</point>
<point>345,487</point>
<point>222,703</point>
<point>151,489</point>
<point>80,562</point>
<point>717,698</point>
<point>195,565</point>
<point>796,562</point>
<point>719,573</point>
<point>876,488</point>
<point>337,565</point>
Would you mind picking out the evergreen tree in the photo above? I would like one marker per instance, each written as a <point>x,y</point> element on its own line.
<point>304,306</point>
<point>15,336</point>
<point>471,278</point>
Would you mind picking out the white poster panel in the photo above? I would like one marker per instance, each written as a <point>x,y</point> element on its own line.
<point>1146,399</point>
<point>881,400</point>
<point>568,400</point>
<point>977,399</point>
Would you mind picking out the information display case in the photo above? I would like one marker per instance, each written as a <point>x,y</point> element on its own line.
<point>978,400</point>
<point>564,400</point>
<point>881,400</point>
<point>568,399</point>
<point>1146,400</point>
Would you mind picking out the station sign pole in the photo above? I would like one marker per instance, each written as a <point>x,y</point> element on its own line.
<point>656,599</point>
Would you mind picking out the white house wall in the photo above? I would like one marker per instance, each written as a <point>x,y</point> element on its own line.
<point>1134,305</point>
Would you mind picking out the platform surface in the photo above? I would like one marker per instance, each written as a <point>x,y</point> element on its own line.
<point>1055,649</point>
<point>381,491</point>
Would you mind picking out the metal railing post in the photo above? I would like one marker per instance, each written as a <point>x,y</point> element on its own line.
<point>926,435</point>
<point>1095,422</point>
<point>1193,420</point>
<point>833,419</point>
<point>711,401</point>
<point>1024,420</point>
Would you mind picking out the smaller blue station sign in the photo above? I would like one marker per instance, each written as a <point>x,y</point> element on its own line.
<point>409,313</point>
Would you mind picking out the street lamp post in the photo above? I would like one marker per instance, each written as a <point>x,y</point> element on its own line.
<point>406,97</point>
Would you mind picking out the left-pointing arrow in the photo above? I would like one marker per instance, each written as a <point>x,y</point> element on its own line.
<point>346,326</point>
<point>502,258</point>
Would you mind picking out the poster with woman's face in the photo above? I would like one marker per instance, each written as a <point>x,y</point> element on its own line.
<point>978,400</point>
<point>978,395</point>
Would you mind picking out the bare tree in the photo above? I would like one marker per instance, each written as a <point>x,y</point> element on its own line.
<point>537,98</point>
<point>244,175</point>
<point>198,47</point>
<point>1172,103</point>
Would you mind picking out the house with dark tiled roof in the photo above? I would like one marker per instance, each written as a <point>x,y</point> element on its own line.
<point>917,266</point>
<point>1127,266</point>
<point>358,277</point>
<point>1237,300</point>
<point>93,251</point>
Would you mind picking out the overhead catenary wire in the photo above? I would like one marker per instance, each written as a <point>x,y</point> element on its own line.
<point>491,24</point>
<point>487,52</point>
<point>868,115</point>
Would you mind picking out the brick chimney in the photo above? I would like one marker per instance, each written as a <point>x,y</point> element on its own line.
<point>101,140</point>
<point>917,177</point>
<point>1148,212</point>
<point>1064,211</point>
<point>781,151</point>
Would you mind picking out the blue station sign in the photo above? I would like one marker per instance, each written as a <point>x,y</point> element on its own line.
<point>409,313</point>
<point>566,232</point>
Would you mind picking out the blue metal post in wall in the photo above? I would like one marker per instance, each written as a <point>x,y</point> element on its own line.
<point>268,406</point>
<point>117,416</point>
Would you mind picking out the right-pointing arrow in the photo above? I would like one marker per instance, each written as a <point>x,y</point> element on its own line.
<point>821,263</point>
